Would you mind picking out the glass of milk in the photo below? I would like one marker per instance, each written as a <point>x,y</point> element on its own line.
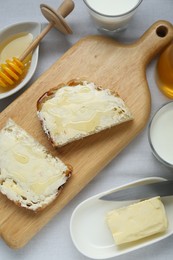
<point>112,15</point>
<point>160,134</point>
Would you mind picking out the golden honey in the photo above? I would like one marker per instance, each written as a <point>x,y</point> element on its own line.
<point>165,72</point>
<point>14,46</point>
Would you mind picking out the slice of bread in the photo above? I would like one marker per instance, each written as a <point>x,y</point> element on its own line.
<point>78,109</point>
<point>29,175</point>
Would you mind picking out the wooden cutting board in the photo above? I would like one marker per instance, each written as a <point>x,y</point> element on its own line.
<point>111,65</point>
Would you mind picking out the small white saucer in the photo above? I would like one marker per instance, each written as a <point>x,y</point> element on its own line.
<point>89,231</point>
<point>30,27</point>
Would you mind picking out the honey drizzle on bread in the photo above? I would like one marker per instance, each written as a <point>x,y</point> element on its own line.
<point>29,175</point>
<point>67,113</point>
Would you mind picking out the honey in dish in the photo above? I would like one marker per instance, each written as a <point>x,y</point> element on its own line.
<point>165,72</point>
<point>14,46</point>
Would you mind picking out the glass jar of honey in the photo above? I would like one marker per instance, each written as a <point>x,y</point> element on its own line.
<point>165,72</point>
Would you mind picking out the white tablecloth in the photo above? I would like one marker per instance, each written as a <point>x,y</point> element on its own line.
<point>134,162</point>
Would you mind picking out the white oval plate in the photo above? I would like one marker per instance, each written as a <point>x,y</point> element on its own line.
<point>30,27</point>
<point>89,231</point>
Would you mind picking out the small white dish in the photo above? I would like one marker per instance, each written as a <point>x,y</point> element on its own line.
<point>28,27</point>
<point>89,231</point>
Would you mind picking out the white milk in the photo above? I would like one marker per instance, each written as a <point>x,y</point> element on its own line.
<point>112,15</point>
<point>112,7</point>
<point>161,133</point>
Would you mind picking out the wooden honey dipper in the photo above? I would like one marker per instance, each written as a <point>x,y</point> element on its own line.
<point>11,71</point>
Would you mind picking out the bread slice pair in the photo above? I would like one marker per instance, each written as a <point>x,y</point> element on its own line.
<point>78,109</point>
<point>29,175</point>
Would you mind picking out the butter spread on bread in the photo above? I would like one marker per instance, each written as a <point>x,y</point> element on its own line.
<point>79,109</point>
<point>29,175</point>
<point>137,221</point>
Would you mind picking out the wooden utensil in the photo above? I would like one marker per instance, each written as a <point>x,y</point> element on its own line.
<point>113,65</point>
<point>13,69</point>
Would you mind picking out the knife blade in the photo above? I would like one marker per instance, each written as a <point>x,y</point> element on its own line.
<point>163,188</point>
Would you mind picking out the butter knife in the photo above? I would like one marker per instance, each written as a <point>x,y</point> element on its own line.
<point>162,189</point>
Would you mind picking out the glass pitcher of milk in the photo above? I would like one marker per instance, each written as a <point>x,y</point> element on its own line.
<point>112,15</point>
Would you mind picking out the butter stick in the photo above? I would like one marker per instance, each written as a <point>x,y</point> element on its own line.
<point>137,221</point>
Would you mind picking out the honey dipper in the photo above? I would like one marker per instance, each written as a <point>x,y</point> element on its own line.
<point>11,71</point>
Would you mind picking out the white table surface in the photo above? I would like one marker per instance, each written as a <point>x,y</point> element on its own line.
<point>134,162</point>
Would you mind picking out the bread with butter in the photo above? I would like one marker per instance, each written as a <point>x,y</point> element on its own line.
<point>78,109</point>
<point>29,175</point>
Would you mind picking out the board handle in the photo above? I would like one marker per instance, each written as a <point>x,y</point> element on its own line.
<point>154,40</point>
